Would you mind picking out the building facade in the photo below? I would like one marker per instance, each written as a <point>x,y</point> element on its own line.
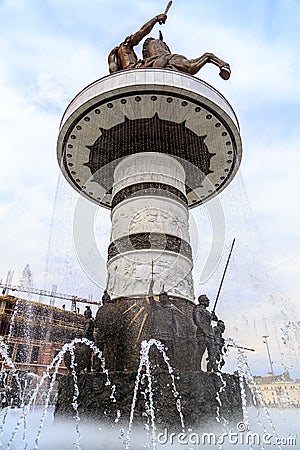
<point>279,390</point>
<point>32,334</point>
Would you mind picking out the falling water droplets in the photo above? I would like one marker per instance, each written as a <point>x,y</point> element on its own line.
<point>145,363</point>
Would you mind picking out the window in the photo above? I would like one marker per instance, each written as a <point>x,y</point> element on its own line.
<point>34,354</point>
<point>22,353</point>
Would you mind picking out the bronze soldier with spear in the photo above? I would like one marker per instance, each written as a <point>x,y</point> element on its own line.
<point>208,338</point>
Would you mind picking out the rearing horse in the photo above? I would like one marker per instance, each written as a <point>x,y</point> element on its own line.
<point>156,53</point>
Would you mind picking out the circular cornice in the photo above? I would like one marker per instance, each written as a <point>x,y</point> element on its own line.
<point>103,123</point>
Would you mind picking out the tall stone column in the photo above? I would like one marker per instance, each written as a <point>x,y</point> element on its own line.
<point>150,229</point>
<point>149,144</point>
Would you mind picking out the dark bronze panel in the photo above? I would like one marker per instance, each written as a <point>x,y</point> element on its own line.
<point>149,135</point>
<point>146,241</point>
<point>153,189</point>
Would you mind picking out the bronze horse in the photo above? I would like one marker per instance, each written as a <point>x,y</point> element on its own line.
<point>156,53</point>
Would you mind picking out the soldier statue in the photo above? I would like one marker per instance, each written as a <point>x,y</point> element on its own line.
<point>105,297</point>
<point>204,335</point>
<point>163,321</point>
<point>109,326</point>
<point>88,324</point>
<point>88,312</point>
<point>89,329</point>
<point>215,357</point>
<point>123,56</point>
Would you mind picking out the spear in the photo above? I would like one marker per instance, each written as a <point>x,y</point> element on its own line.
<point>221,284</point>
<point>243,348</point>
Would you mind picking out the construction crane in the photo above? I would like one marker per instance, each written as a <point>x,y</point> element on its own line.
<point>73,298</point>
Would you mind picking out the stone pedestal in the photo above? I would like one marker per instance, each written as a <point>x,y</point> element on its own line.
<point>123,324</point>
<point>199,393</point>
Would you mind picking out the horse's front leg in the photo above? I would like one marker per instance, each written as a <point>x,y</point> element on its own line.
<point>197,63</point>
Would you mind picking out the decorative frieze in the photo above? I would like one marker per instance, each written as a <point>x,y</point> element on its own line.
<point>149,189</point>
<point>148,241</point>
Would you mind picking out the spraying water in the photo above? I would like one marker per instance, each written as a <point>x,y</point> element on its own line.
<point>145,362</point>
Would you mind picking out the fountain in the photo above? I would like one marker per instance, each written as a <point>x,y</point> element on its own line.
<point>149,142</point>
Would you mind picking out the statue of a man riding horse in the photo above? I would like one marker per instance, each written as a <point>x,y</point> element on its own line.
<point>156,53</point>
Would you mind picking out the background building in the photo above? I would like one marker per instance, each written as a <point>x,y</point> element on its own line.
<point>279,390</point>
<point>34,334</point>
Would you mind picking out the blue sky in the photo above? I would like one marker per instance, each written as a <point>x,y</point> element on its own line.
<point>52,49</point>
